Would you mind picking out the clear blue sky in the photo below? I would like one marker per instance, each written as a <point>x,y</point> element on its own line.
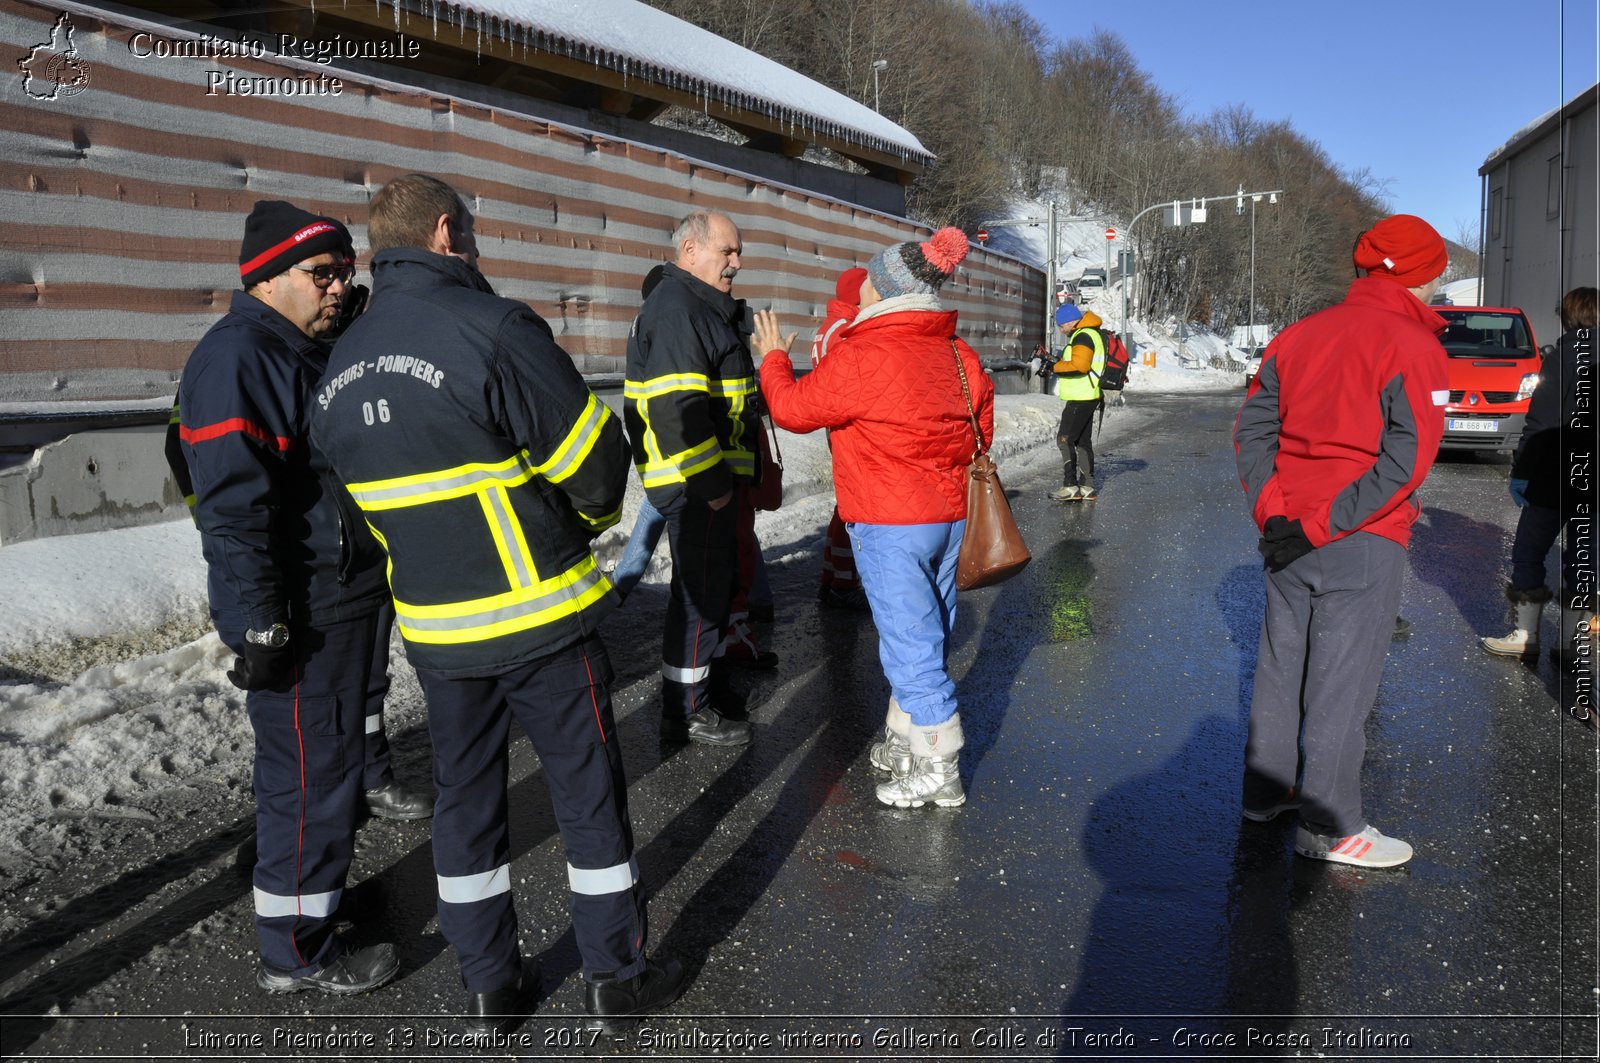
<point>1417,93</point>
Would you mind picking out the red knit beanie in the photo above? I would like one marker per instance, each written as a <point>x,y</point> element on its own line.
<point>1402,248</point>
<point>848,287</point>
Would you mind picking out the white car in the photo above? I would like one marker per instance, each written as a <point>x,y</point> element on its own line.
<point>1252,364</point>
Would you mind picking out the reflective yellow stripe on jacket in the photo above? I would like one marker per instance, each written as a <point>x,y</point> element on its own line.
<point>1083,387</point>
<point>530,600</point>
<point>659,469</point>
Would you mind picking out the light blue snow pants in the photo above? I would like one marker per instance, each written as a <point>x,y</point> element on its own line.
<point>909,574</point>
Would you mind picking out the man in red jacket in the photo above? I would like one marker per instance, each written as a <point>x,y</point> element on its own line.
<point>1340,427</point>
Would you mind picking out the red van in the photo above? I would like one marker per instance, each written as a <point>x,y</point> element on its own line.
<point>1494,366</point>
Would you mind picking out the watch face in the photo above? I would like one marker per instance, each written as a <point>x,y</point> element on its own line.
<point>274,637</point>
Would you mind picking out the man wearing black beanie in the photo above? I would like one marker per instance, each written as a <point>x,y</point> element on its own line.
<point>297,590</point>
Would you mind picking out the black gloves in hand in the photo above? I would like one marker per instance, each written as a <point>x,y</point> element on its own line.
<point>262,667</point>
<point>350,308</point>
<point>1282,542</point>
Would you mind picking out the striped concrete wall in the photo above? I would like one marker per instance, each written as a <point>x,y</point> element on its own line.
<point>122,206</point>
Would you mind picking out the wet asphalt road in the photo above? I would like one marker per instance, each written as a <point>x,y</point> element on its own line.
<point>1097,896</point>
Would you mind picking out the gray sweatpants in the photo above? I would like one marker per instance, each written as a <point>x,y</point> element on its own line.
<point>1330,616</point>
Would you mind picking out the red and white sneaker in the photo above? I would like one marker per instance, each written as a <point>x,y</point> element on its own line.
<point>1370,848</point>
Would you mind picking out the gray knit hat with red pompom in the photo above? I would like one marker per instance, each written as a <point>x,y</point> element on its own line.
<point>903,269</point>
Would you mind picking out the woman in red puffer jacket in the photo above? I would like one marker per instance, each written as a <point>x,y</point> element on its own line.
<point>902,439</point>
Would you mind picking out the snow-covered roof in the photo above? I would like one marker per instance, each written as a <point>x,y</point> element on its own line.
<point>641,42</point>
<point>1538,127</point>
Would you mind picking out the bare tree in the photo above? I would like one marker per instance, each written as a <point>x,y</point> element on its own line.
<point>1010,111</point>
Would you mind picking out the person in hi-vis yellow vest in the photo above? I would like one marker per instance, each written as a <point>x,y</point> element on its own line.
<point>1077,379</point>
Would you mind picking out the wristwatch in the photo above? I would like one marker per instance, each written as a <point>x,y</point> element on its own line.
<point>275,637</point>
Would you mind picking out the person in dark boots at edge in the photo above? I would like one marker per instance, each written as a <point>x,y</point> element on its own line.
<point>694,431</point>
<point>486,467</point>
<point>296,590</point>
<point>1339,429</point>
<point>1541,489</point>
<point>1077,378</point>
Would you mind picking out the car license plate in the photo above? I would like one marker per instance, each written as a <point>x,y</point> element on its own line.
<point>1464,424</point>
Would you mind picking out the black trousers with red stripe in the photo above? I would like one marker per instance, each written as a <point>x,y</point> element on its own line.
<point>310,750</point>
<point>563,703</point>
<point>705,557</point>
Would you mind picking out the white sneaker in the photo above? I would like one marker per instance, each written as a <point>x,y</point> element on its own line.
<point>1370,848</point>
<point>1519,643</point>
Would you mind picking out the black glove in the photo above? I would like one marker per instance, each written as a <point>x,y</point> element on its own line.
<point>355,301</point>
<point>1283,541</point>
<point>262,667</point>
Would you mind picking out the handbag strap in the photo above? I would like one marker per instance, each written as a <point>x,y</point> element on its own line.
<point>772,434</point>
<point>966,392</point>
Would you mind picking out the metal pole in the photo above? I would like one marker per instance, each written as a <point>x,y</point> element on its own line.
<point>1251,341</point>
<point>1133,260</point>
<point>1050,276</point>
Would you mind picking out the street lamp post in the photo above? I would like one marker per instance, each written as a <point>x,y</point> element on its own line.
<point>878,66</point>
<point>1177,213</point>
<point>1251,322</point>
<point>1254,199</point>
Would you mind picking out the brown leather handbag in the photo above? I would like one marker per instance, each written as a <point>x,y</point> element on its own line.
<point>768,494</point>
<point>992,550</point>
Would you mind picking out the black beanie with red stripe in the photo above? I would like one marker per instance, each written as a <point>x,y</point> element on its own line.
<point>279,234</point>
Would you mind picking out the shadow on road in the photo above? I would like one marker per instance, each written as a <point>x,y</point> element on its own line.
<point>1190,934</point>
<point>1191,928</point>
<point>1466,558</point>
<point>1018,618</point>
<point>839,723</point>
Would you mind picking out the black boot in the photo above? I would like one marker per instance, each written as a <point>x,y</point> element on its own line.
<point>349,972</point>
<point>393,801</point>
<point>707,727</point>
<point>608,1000</point>
<point>501,1010</point>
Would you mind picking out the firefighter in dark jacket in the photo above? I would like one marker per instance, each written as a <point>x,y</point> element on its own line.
<point>296,588</point>
<point>486,467</point>
<point>384,795</point>
<point>692,419</point>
